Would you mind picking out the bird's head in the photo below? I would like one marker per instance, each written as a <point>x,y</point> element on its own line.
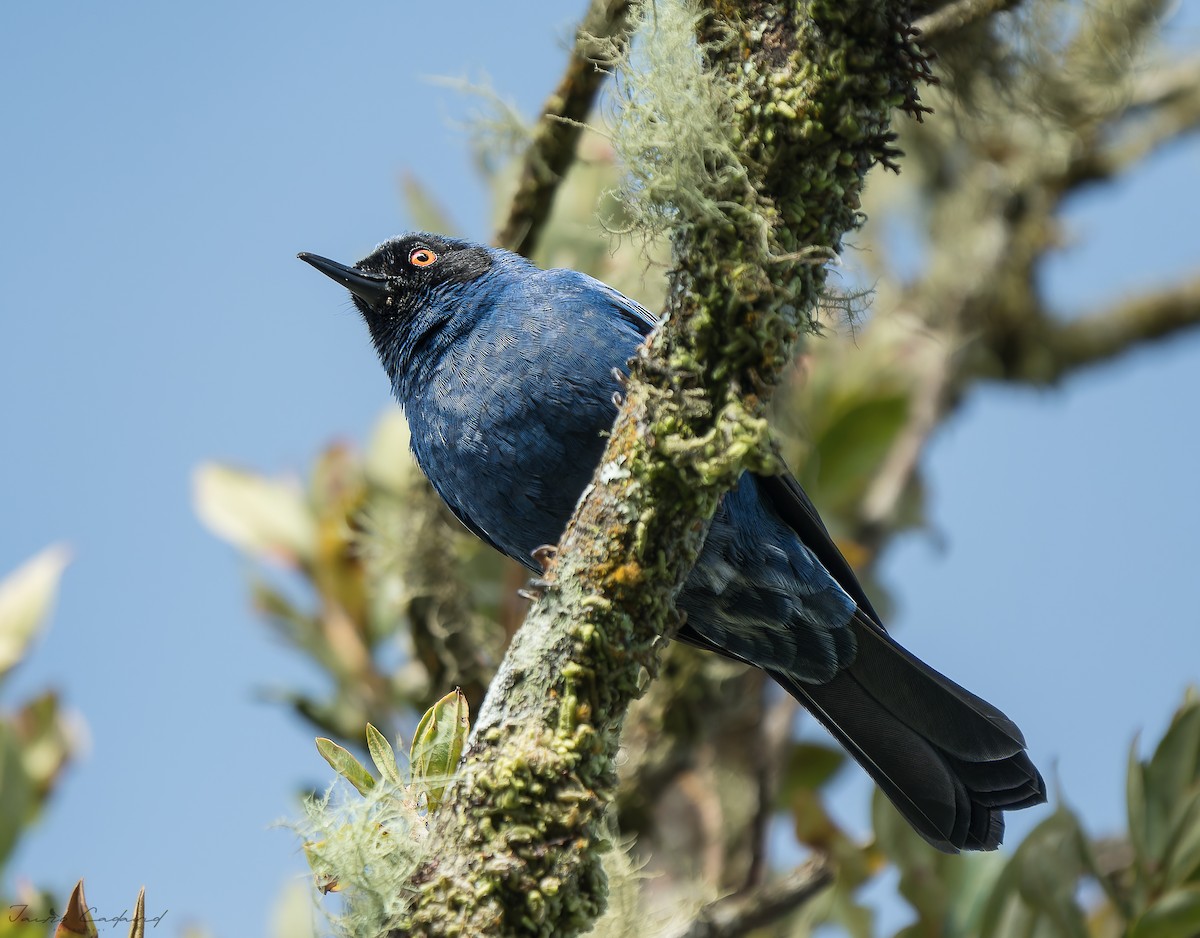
<point>406,274</point>
<point>414,288</point>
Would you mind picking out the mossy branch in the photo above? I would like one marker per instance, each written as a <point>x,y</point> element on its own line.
<point>808,90</point>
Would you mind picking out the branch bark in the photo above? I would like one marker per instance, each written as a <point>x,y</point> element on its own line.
<point>605,28</point>
<point>739,915</point>
<point>1100,337</point>
<point>519,851</point>
<point>955,16</point>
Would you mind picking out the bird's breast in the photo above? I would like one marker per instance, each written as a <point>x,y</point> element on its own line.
<point>509,434</point>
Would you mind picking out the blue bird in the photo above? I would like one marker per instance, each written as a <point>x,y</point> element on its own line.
<point>505,373</point>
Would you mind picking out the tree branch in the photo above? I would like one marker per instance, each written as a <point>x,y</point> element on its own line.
<point>927,407</point>
<point>775,735</point>
<point>956,16</point>
<point>517,847</point>
<point>741,914</point>
<point>1165,106</point>
<point>605,28</point>
<point>1101,337</point>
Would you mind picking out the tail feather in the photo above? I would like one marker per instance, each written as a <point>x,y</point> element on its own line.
<point>963,724</point>
<point>949,761</point>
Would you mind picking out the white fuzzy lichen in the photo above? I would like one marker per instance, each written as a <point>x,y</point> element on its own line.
<point>364,848</point>
<point>669,125</point>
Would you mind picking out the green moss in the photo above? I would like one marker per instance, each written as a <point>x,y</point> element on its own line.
<point>746,135</point>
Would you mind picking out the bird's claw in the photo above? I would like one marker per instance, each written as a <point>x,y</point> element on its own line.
<point>544,555</point>
<point>534,589</point>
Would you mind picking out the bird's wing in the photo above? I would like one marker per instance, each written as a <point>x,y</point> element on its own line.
<point>633,313</point>
<point>784,494</point>
<point>480,532</point>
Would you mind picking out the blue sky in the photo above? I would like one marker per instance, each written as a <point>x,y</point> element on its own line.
<point>163,165</point>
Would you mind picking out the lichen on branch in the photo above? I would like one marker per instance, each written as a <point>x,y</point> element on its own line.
<point>749,131</point>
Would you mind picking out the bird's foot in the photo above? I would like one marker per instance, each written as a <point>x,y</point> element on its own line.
<point>544,555</point>
<point>534,589</point>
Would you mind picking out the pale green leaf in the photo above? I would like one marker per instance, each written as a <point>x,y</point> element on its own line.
<point>438,745</point>
<point>1181,861</point>
<point>292,913</point>
<point>264,517</point>
<point>26,597</point>
<point>1036,893</point>
<point>1175,765</point>
<point>46,740</point>
<point>18,791</point>
<point>1135,806</point>
<point>388,456</point>
<point>1175,915</point>
<point>1168,777</point>
<point>808,765</point>
<point>383,755</point>
<point>345,765</point>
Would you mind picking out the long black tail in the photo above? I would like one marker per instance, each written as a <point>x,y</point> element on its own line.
<point>949,761</point>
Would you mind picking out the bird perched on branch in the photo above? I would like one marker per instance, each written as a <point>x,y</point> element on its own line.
<point>506,374</point>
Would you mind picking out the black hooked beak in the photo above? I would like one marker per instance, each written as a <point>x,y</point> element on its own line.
<point>370,288</point>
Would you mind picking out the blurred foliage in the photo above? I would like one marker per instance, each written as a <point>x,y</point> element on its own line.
<point>387,595</point>
<point>36,739</point>
<point>1059,882</point>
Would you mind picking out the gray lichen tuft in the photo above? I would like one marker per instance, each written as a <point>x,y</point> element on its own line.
<point>670,125</point>
<point>366,849</point>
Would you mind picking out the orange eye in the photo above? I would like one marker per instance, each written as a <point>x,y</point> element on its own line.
<point>421,257</point>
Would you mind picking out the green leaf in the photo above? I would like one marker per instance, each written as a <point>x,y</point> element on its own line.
<point>45,741</point>
<point>947,892</point>
<point>1135,806</point>
<point>856,919</point>
<point>1117,895</point>
<point>383,755</point>
<point>1035,894</point>
<point>345,765</point>
<point>299,628</point>
<point>1175,765</point>
<point>20,797</point>
<point>1169,777</point>
<point>813,825</point>
<point>438,745</point>
<point>855,441</point>
<point>1175,915</point>
<point>1181,860</point>
<point>809,765</point>
<point>26,596</point>
<point>264,517</point>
